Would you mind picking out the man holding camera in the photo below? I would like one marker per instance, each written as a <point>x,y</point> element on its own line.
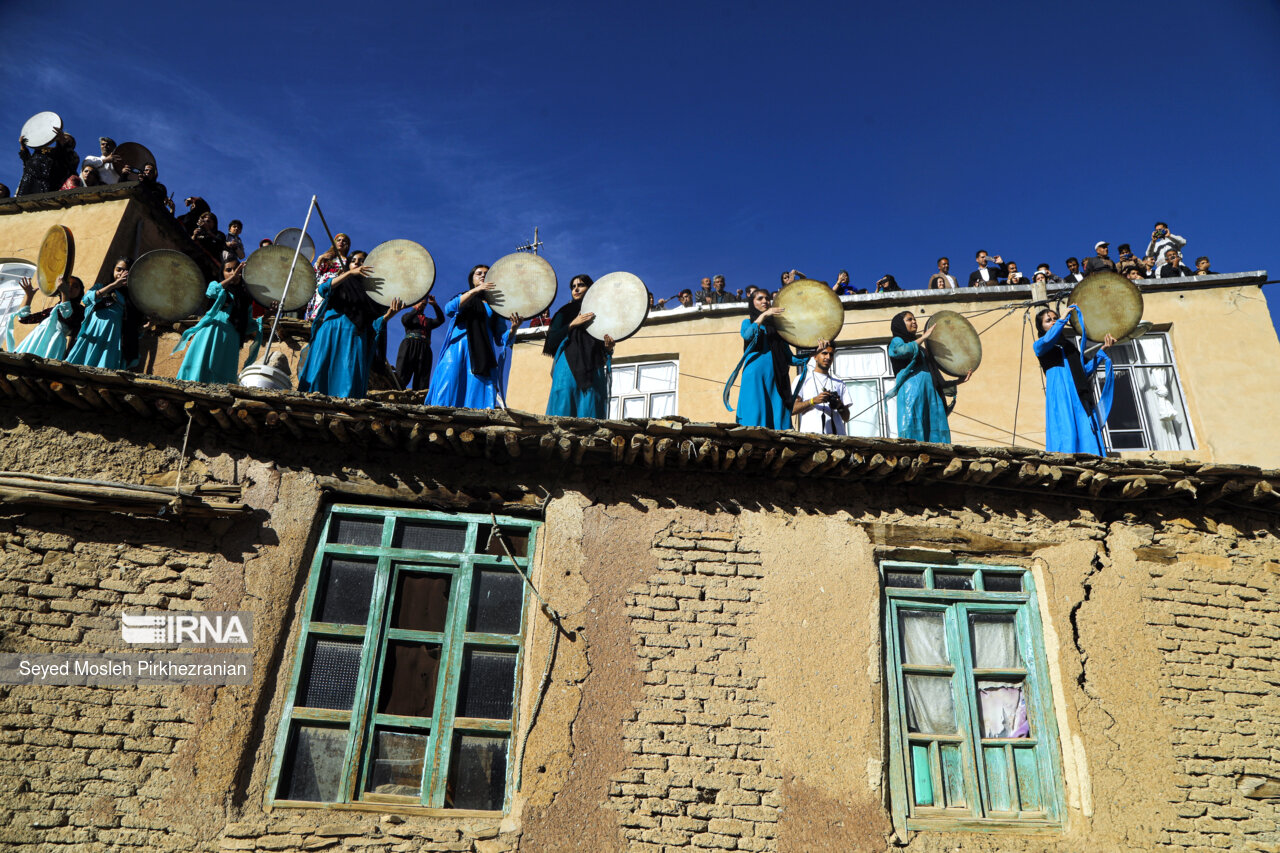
<point>822,401</point>
<point>1162,240</point>
<point>984,277</point>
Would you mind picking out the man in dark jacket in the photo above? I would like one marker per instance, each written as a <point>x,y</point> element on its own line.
<point>985,276</point>
<point>1101,261</point>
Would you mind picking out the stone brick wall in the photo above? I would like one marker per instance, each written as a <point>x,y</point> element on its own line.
<point>698,775</point>
<point>1218,617</point>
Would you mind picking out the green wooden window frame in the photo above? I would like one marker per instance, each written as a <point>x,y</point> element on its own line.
<point>364,717</point>
<point>963,781</point>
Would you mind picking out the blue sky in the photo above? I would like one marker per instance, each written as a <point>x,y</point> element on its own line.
<point>681,140</point>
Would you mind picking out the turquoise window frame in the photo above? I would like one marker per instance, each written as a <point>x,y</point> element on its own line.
<point>361,721</point>
<point>933,767</point>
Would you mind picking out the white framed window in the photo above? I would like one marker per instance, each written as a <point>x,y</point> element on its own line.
<point>11,294</point>
<point>866,372</point>
<point>1147,411</point>
<point>644,389</point>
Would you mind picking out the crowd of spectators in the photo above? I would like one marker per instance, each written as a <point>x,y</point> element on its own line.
<point>1162,259</point>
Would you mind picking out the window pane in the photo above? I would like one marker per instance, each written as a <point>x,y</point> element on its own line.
<point>1121,353</point>
<point>344,530</point>
<point>497,599</point>
<point>422,601</point>
<point>613,409</point>
<point>624,380</point>
<point>952,775</point>
<point>924,638</point>
<point>864,409</point>
<point>426,536</point>
<point>1002,709</point>
<point>397,761</point>
<point>952,580</point>
<point>477,773</point>
<point>1161,401</point>
<point>517,539</point>
<point>656,377</point>
<point>1153,349</point>
<point>922,774</point>
<point>313,771</point>
<point>345,591</point>
<point>409,676</point>
<point>329,679</point>
<point>1124,407</point>
<point>662,405</point>
<point>994,637</point>
<point>488,684</point>
<point>930,707</point>
<point>1001,583</point>
<point>910,580</point>
<point>860,363</point>
<point>633,407</point>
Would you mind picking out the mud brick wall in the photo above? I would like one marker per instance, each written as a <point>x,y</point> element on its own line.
<point>699,746</point>
<point>1218,617</point>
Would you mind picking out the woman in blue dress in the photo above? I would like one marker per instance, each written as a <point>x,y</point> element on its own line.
<point>213,344</point>
<point>59,323</point>
<point>1073,416</point>
<point>918,384</point>
<point>342,339</point>
<point>765,399</point>
<point>580,372</point>
<point>476,341</point>
<point>101,339</point>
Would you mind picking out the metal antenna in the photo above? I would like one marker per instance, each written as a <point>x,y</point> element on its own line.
<point>531,247</point>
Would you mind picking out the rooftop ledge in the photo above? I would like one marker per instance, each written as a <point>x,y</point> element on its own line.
<point>251,417</point>
<point>1000,293</point>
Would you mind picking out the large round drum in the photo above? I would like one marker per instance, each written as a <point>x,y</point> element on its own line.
<point>167,284</point>
<point>526,285</point>
<point>267,272</point>
<point>1110,303</point>
<point>402,270</point>
<point>41,129</point>
<point>135,155</point>
<point>620,302</point>
<point>57,257</point>
<point>955,344</point>
<point>290,237</point>
<point>811,313</point>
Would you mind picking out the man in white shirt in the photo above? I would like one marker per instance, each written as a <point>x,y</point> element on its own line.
<point>106,164</point>
<point>821,401</point>
<point>1162,241</point>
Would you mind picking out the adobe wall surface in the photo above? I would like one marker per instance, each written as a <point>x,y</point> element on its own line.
<point>721,684</point>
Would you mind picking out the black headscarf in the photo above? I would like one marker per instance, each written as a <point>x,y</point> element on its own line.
<point>779,352</point>
<point>241,308</point>
<point>898,327</point>
<point>475,319</point>
<point>584,354</point>
<point>1067,351</point>
<point>349,298</point>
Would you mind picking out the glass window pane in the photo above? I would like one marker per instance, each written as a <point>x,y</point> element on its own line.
<point>662,405</point>
<point>656,377</point>
<point>345,530</point>
<point>488,684</point>
<point>930,707</point>
<point>330,675</point>
<point>864,409</point>
<point>860,363</point>
<point>497,599</point>
<point>430,536</point>
<point>517,539</point>
<point>1120,354</point>
<point>613,409</point>
<point>924,638</point>
<point>1153,349</point>
<point>624,380</point>
<point>910,580</point>
<point>994,637</point>
<point>345,591</point>
<point>409,676</point>
<point>477,773</point>
<point>1161,401</point>
<point>633,407</point>
<point>396,763</point>
<point>312,771</point>
<point>1002,709</point>
<point>1124,406</point>
<point>993,582</point>
<point>422,601</point>
<point>952,580</point>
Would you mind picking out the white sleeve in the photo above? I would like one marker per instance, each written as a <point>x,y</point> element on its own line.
<point>1177,241</point>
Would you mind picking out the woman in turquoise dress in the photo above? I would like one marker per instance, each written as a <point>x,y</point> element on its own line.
<point>213,344</point>
<point>580,372</point>
<point>342,339</point>
<point>919,386</point>
<point>474,356</point>
<point>1073,414</point>
<point>765,399</point>
<point>59,323</point>
<point>101,339</point>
